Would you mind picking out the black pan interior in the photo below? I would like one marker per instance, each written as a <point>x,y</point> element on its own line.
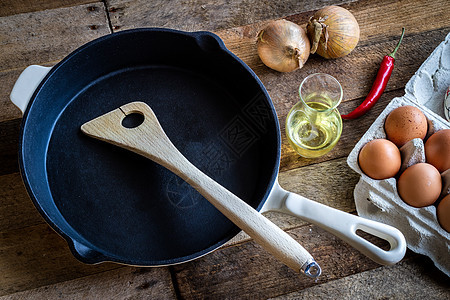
<point>111,204</point>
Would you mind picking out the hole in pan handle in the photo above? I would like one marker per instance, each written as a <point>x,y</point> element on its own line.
<point>341,224</point>
<point>149,140</point>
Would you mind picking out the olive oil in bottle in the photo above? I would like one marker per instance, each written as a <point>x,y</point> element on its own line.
<point>313,127</point>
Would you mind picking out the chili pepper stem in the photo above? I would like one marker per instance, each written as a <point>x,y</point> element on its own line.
<point>398,45</point>
<point>378,87</point>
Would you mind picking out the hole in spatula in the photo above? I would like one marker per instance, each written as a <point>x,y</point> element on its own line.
<point>133,120</point>
<point>382,243</point>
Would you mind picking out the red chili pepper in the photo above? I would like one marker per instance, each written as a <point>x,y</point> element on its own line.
<point>378,87</point>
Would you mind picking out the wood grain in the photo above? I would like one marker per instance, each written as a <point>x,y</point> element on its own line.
<point>34,256</point>
<point>408,279</point>
<point>122,283</point>
<point>16,209</point>
<point>55,33</point>
<point>203,14</point>
<point>325,182</point>
<point>12,7</point>
<point>386,20</point>
<point>9,111</point>
<point>247,272</point>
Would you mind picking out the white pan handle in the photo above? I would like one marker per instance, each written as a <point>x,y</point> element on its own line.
<point>345,225</point>
<point>26,84</point>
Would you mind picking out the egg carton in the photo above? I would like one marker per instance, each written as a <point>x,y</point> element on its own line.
<point>379,199</point>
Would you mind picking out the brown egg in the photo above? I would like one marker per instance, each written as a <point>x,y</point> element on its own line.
<point>437,150</point>
<point>445,177</point>
<point>443,213</point>
<point>379,159</point>
<point>404,124</point>
<point>420,185</point>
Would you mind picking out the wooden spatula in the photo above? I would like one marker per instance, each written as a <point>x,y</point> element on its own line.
<point>149,140</point>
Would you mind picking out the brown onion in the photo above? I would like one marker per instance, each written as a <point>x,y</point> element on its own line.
<point>283,46</point>
<point>333,31</point>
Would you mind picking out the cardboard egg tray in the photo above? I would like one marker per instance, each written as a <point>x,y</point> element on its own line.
<point>378,199</point>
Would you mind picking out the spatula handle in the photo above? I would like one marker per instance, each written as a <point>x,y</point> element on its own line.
<point>148,139</point>
<point>263,231</point>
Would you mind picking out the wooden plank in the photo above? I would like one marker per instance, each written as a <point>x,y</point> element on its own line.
<point>385,20</point>
<point>248,272</point>
<point>12,7</point>
<point>55,34</point>
<point>48,36</point>
<point>8,110</point>
<point>411,278</point>
<point>40,38</point>
<point>35,256</point>
<point>123,283</point>
<point>202,14</point>
<point>16,209</point>
<point>330,183</point>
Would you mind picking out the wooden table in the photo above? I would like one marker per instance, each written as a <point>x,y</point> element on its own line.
<point>36,263</point>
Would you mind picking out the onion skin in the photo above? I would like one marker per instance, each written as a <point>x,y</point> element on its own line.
<point>283,46</point>
<point>333,31</point>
